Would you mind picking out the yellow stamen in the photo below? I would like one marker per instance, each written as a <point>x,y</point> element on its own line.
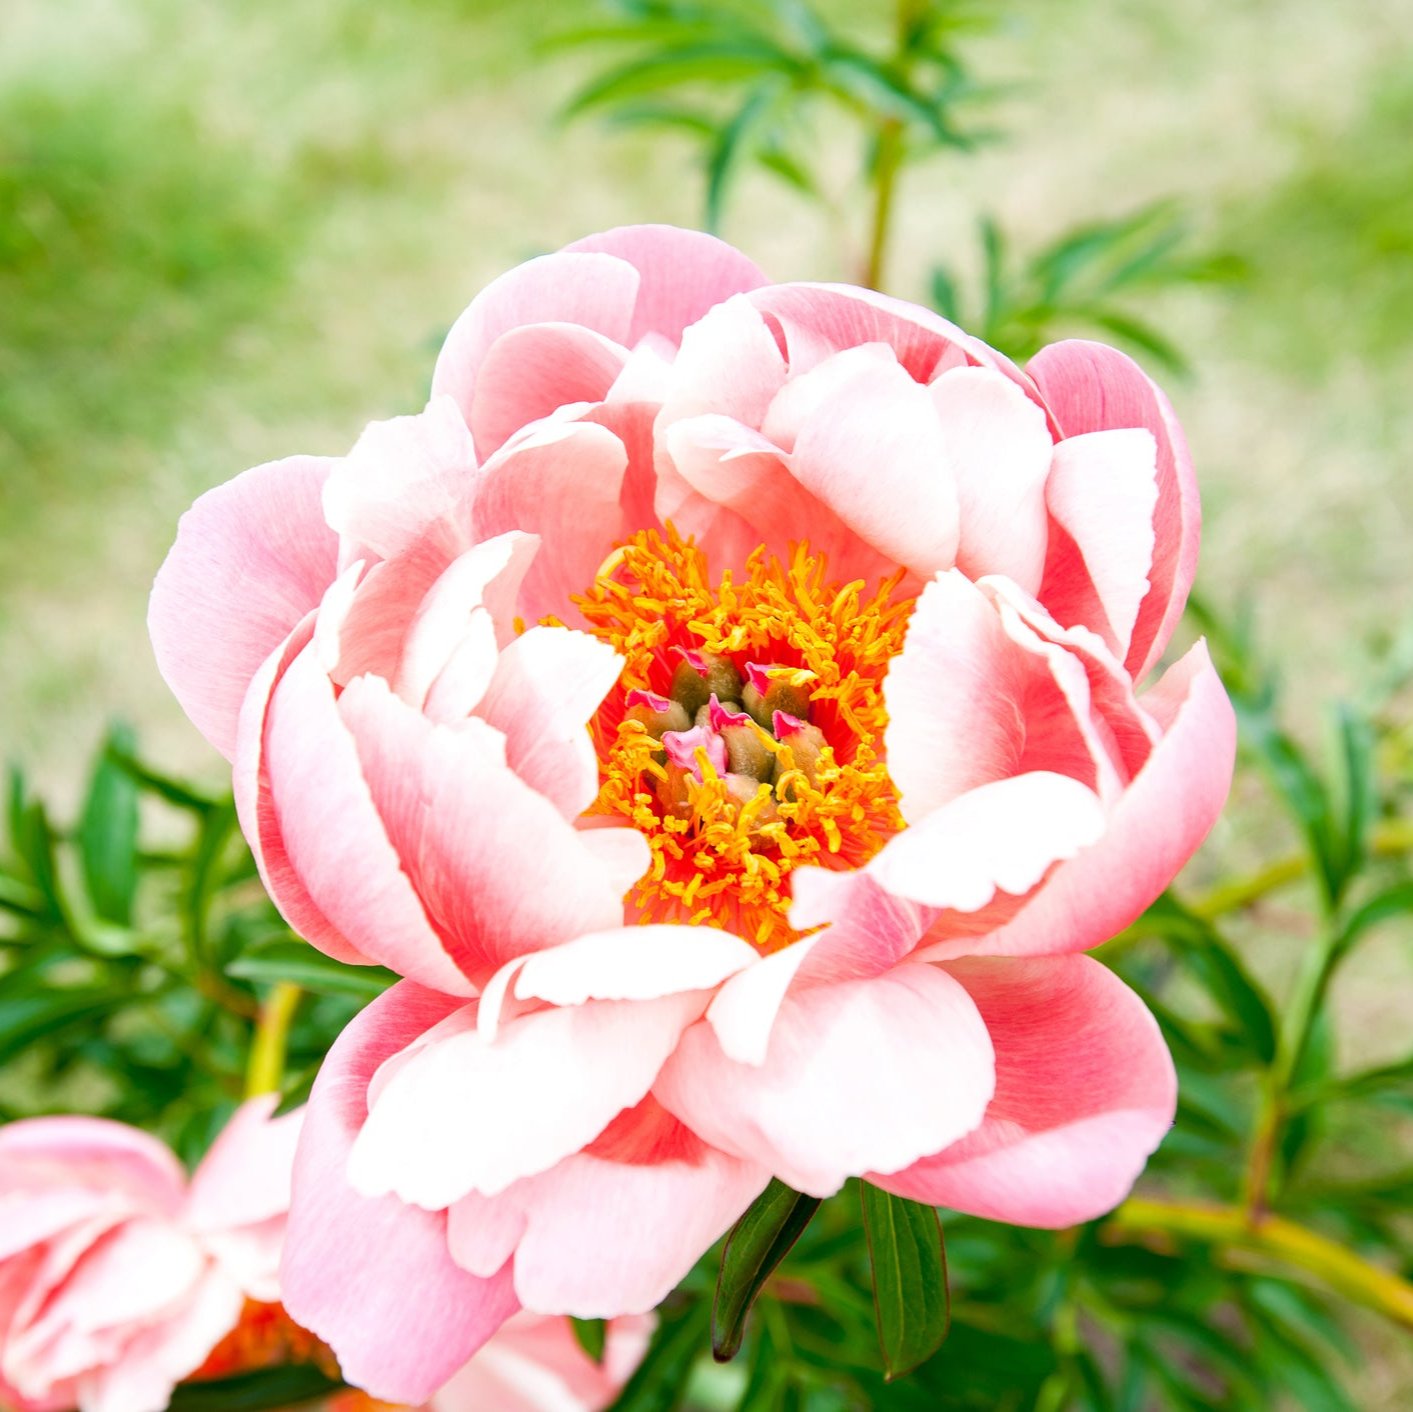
<point>720,859</point>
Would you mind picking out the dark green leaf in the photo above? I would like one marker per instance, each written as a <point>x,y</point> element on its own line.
<point>107,832</point>
<point>910,1296</point>
<point>301,964</point>
<point>592,1335</point>
<point>660,1381</point>
<point>758,1242</point>
<point>289,1386</point>
<point>708,61</point>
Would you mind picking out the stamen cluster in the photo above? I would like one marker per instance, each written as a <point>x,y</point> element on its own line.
<point>747,738</point>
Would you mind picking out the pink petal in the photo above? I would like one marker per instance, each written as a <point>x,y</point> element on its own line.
<point>600,1235</point>
<point>632,963</point>
<point>875,457</point>
<point>999,837</point>
<point>255,807</point>
<point>252,557</point>
<point>1101,493</point>
<point>683,274</point>
<point>563,481</point>
<point>333,836</point>
<point>161,1356</point>
<point>39,1154</point>
<point>402,476</point>
<point>860,1075</point>
<point>536,1364</point>
<point>372,1278</point>
<point>567,288</point>
<point>245,1178</point>
<point>469,1113</point>
<point>1155,827</point>
<point>818,320</point>
<point>450,637</point>
<point>474,843</point>
<point>999,448</point>
<point>1085,1091</point>
<point>729,365</point>
<point>1089,387</point>
<point>548,683</point>
<point>530,371</point>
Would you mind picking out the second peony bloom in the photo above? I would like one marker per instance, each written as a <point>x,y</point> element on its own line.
<point>721,705</point>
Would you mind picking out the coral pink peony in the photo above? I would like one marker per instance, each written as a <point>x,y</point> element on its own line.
<point>787,620</point>
<point>118,1277</point>
<point>534,1364</point>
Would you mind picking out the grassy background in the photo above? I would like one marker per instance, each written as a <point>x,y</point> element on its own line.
<point>228,233</point>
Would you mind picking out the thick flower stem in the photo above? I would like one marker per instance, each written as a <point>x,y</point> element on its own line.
<point>1273,1238</point>
<point>265,1071</point>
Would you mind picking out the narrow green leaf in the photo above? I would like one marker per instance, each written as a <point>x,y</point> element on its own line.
<point>758,1242</point>
<point>712,61</point>
<point>660,1382</point>
<point>289,1386</point>
<point>910,1295</point>
<point>592,1336</point>
<point>300,963</point>
<point>178,792</point>
<point>107,831</point>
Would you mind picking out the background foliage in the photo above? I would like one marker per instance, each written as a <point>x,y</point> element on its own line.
<point>145,976</point>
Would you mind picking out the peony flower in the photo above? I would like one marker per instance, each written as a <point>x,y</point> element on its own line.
<point>722,705</point>
<point>118,1277</point>
<point>534,1364</point>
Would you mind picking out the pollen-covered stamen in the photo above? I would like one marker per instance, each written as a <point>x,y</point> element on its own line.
<point>776,675</point>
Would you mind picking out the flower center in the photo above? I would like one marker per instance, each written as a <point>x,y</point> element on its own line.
<point>746,738</point>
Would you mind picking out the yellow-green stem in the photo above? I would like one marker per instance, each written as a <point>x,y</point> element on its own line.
<point>265,1071</point>
<point>885,184</point>
<point>1273,1238</point>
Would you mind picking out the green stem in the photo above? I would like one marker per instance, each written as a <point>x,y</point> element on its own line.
<point>1273,1238</point>
<point>885,185</point>
<point>265,1070</point>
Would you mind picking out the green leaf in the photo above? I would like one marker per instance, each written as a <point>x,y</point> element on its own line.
<point>289,1386</point>
<point>758,1242</point>
<point>33,1011</point>
<point>107,831</point>
<point>660,1382</point>
<point>731,144</point>
<point>710,61</point>
<point>592,1336</point>
<point>178,792</point>
<point>910,1296</point>
<point>300,963</point>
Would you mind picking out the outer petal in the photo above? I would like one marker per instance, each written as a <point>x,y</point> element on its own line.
<point>547,685</point>
<point>530,371</point>
<point>466,1112</point>
<point>563,480</point>
<point>1102,492</point>
<point>39,1154</point>
<point>1155,827</point>
<point>613,1230</point>
<point>477,843</point>
<point>1090,387</point>
<point>860,1075</point>
<point>1085,1090</point>
<point>402,476</point>
<point>999,449</point>
<point>590,290</point>
<point>875,457</point>
<point>252,557</point>
<point>1000,837</point>
<point>536,1364</point>
<point>683,274</point>
<point>817,320</point>
<point>372,1278</point>
<point>244,1179</point>
<point>333,837</point>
